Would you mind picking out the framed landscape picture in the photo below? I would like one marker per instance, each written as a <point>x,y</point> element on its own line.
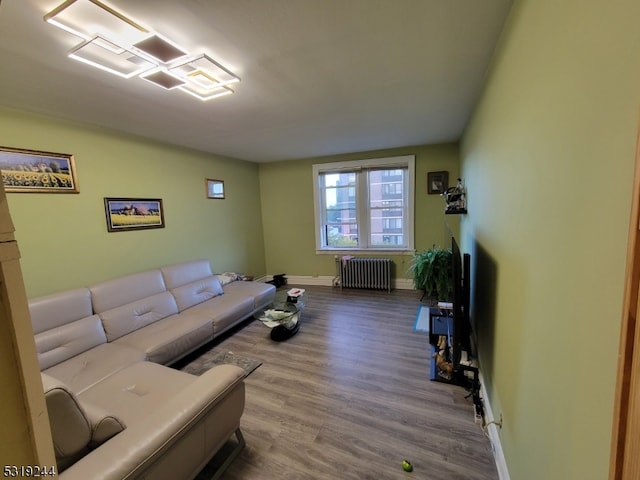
<point>133,213</point>
<point>29,171</point>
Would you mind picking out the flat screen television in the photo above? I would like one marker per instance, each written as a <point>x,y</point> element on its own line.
<point>460,270</point>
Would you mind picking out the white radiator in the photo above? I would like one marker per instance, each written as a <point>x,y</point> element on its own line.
<point>361,272</point>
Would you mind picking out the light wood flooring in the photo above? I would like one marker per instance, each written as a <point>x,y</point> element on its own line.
<point>349,397</point>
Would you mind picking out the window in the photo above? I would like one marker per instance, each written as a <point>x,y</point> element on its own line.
<point>364,205</point>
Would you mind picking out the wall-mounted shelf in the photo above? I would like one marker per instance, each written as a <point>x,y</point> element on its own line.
<point>459,211</point>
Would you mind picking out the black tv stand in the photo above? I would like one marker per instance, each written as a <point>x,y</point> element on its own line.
<point>442,328</point>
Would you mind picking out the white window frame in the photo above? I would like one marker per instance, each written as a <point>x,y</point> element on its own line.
<point>401,162</point>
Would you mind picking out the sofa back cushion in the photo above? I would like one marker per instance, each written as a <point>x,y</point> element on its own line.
<point>124,290</point>
<point>197,292</point>
<point>66,341</point>
<point>181,274</point>
<point>64,326</point>
<point>128,303</point>
<point>128,318</point>
<point>58,309</point>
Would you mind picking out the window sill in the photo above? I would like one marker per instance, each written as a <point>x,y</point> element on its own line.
<point>365,251</point>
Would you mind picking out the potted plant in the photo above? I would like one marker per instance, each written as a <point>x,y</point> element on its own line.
<point>432,273</point>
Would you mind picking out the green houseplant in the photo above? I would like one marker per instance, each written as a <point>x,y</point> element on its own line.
<point>432,273</point>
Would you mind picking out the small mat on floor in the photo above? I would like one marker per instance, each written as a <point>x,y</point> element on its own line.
<point>212,359</point>
<point>422,320</point>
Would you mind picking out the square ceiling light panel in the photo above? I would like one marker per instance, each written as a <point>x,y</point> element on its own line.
<point>90,18</point>
<point>100,53</point>
<point>205,94</point>
<point>160,49</point>
<point>163,79</point>
<point>204,72</point>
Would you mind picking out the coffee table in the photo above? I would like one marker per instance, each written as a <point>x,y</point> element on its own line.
<point>282,316</point>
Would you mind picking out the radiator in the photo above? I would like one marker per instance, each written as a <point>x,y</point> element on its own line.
<point>374,273</point>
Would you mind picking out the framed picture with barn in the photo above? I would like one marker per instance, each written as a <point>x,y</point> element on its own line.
<point>133,213</point>
<point>32,171</point>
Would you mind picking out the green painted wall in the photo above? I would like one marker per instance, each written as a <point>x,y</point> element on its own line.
<point>548,159</point>
<point>287,209</point>
<point>63,237</point>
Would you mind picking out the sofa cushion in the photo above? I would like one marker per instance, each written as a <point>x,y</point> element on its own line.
<point>197,292</point>
<point>130,317</point>
<point>124,290</point>
<point>224,311</point>
<point>61,343</point>
<point>262,293</point>
<point>90,367</point>
<point>134,392</point>
<point>51,311</point>
<point>169,339</point>
<point>180,274</point>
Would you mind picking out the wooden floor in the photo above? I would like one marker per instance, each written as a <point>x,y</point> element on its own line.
<point>349,397</point>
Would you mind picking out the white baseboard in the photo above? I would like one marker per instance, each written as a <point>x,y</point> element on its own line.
<point>327,281</point>
<point>493,433</point>
<point>322,280</point>
<point>403,283</point>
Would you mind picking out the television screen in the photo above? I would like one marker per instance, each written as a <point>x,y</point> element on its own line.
<point>461,329</point>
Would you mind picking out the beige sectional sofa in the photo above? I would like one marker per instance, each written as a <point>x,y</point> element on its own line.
<point>116,410</point>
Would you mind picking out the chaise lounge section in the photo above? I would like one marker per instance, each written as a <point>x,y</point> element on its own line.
<point>116,409</point>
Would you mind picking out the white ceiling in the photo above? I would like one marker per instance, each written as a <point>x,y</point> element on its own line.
<point>319,77</point>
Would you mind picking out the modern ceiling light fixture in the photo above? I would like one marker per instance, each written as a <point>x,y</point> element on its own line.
<point>117,44</point>
<point>204,78</point>
<point>163,79</point>
<point>159,48</point>
<point>208,94</point>
<point>89,18</point>
<point>102,54</point>
<point>204,71</point>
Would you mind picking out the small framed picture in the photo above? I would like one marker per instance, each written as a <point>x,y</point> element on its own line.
<point>133,213</point>
<point>437,182</point>
<point>215,188</point>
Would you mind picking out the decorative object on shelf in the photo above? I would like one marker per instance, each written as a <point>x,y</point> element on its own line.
<point>432,273</point>
<point>215,188</point>
<point>437,182</point>
<point>442,356</point>
<point>32,171</point>
<point>456,198</point>
<point>133,213</point>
